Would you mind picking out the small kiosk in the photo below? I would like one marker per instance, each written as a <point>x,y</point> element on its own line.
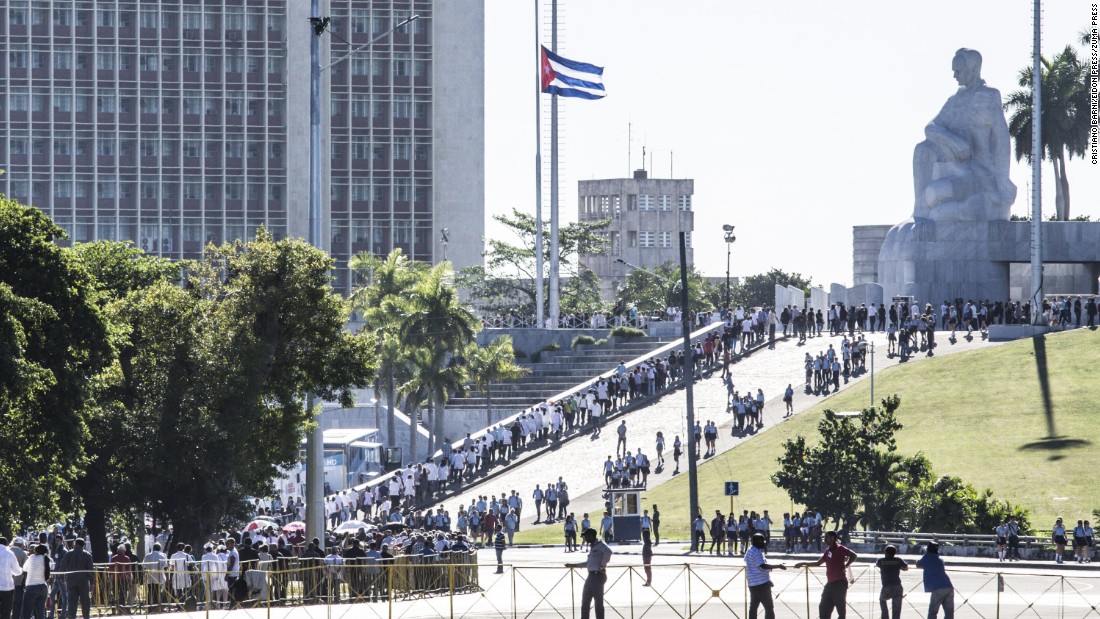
<point>626,513</point>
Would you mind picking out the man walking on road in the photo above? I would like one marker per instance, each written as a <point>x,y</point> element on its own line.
<point>622,439</point>
<point>759,582</point>
<point>837,558</point>
<point>599,555</point>
<point>937,583</point>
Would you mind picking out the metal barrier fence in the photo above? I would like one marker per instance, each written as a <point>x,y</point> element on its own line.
<point>411,587</point>
<point>142,589</point>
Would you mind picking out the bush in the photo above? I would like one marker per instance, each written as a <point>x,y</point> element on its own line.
<point>550,346</point>
<point>602,341</point>
<point>627,332</point>
<point>519,354</point>
<point>582,339</point>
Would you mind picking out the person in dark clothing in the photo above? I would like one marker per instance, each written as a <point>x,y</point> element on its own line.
<point>890,568</point>
<point>79,570</point>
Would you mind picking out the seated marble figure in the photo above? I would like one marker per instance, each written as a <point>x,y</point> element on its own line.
<point>960,171</point>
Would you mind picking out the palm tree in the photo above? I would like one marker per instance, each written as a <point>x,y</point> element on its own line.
<point>433,319</point>
<point>435,376</point>
<point>1065,118</point>
<point>381,301</point>
<point>494,363</point>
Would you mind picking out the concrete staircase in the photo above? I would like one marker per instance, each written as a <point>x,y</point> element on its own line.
<point>558,371</point>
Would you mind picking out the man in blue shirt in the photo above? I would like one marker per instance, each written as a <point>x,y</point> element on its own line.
<point>937,583</point>
<point>756,572</point>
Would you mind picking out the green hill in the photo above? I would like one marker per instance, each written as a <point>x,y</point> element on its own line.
<point>984,416</point>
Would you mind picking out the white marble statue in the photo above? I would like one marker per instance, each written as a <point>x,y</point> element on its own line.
<point>960,171</point>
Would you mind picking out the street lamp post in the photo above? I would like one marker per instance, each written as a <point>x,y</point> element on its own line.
<point>730,238</point>
<point>315,475</point>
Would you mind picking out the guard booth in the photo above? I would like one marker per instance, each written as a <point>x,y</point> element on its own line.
<point>626,513</point>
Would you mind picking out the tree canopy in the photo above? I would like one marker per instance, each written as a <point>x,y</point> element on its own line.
<point>854,474</point>
<point>507,281</point>
<point>256,329</point>
<point>653,290</point>
<point>51,341</point>
<point>759,290</point>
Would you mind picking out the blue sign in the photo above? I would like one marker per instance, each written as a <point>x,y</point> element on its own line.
<point>732,488</point>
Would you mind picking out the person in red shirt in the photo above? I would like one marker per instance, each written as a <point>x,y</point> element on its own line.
<point>836,559</point>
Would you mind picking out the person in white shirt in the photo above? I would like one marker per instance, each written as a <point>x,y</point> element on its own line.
<point>758,580</point>
<point>37,569</point>
<point>9,569</point>
<point>213,567</point>
<point>154,566</point>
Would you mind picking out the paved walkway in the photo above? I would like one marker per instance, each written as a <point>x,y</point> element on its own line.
<point>579,461</point>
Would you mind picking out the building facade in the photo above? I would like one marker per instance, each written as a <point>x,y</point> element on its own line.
<point>178,123</point>
<point>647,216</point>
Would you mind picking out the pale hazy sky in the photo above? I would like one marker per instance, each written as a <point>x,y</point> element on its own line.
<point>796,119</point>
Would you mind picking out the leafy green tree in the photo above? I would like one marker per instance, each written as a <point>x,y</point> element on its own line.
<point>990,512</point>
<point>947,504</point>
<point>832,476</point>
<point>507,282</point>
<point>1066,118</point>
<point>492,364</point>
<point>759,290</point>
<point>212,377</point>
<point>52,338</point>
<point>117,270</point>
<point>887,502</point>
<point>653,290</point>
<point>581,293</point>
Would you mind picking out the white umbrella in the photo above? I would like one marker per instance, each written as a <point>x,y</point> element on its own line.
<point>352,525</point>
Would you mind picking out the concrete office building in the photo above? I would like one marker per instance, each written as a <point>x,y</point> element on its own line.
<point>647,216</point>
<point>177,123</point>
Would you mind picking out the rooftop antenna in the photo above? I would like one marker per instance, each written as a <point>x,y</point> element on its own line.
<point>629,146</point>
<point>670,174</point>
<point>643,156</point>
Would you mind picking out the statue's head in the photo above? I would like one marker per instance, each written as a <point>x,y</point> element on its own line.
<point>967,66</point>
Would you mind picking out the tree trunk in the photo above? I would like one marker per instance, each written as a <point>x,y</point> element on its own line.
<point>488,405</point>
<point>391,430</point>
<point>1061,188</point>
<point>413,427</point>
<point>377,407</point>
<point>95,520</point>
<point>432,439</point>
<point>437,419</point>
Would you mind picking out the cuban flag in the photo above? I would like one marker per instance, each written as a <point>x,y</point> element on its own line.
<point>569,78</point>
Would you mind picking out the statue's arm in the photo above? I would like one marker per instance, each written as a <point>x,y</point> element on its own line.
<point>951,142</point>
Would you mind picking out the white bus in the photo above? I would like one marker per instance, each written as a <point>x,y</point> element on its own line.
<point>353,456</point>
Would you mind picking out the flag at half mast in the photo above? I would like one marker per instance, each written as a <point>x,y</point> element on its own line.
<point>569,78</point>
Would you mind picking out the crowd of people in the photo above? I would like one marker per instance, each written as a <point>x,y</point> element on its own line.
<point>733,532</point>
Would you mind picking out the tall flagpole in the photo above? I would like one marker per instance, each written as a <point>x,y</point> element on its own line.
<point>538,172</point>
<point>1036,173</point>
<point>554,293</point>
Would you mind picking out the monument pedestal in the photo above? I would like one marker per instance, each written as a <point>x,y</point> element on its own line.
<point>934,261</point>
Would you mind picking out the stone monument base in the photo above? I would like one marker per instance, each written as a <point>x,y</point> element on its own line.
<point>934,261</point>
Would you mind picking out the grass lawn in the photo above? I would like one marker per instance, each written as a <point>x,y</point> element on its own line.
<point>983,416</point>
